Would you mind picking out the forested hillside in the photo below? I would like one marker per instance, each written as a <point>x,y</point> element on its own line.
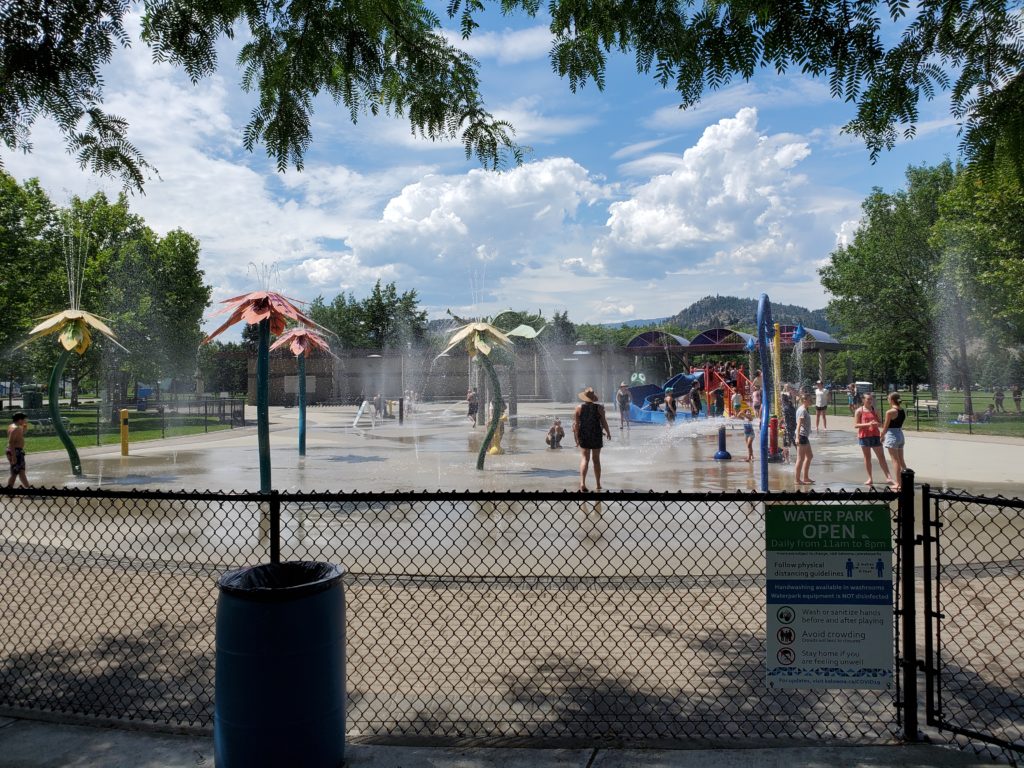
<point>731,311</point>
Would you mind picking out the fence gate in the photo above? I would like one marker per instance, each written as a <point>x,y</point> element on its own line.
<point>974,618</point>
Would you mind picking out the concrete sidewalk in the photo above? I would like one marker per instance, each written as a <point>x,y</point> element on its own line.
<point>35,744</point>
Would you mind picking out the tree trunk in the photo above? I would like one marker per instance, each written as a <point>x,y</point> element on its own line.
<point>962,363</point>
<point>933,370</point>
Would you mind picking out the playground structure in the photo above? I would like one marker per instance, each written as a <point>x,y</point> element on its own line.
<point>646,399</point>
<point>736,378</point>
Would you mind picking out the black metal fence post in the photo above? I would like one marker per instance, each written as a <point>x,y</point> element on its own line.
<point>929,532</point>
<point>275,527</point>
<point>206,416</point>
<point>907,608</point>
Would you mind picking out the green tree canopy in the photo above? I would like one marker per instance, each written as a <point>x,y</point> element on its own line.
<point>884,283</point>
<point>383,319</point>
<point>390,56</point>
<point>981,232</point>
<point>370,56</point>
<point>149,287</point>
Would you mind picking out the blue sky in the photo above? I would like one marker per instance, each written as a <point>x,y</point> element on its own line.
<point>626,208</point>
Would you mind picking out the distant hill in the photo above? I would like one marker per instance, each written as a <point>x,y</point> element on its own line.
<point>730,311</point>
<point>636,323</point>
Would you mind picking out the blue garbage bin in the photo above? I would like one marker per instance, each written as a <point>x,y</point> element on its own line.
<point>280,674</point>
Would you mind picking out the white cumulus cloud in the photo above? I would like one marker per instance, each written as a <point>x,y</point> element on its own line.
<point>445,223</point>
<point>509,46</point>
<point>732,188</point>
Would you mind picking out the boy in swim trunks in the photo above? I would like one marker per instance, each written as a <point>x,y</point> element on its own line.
<point>670,407</point>
<point>16,449</point>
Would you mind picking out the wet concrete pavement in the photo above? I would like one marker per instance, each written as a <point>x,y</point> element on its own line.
<point>436,449</point>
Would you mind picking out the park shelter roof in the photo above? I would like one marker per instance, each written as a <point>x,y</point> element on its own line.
<point>729,340</point>
<point>813,339</point>
<point>721,340</point>
<point>656,341</point>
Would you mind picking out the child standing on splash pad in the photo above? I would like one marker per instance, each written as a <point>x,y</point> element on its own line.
<point>670,408</point>
<point>16,449</point>
<point>803,442</point>
<point>474,405</point>
<point>892,437</point>
<point>622,400</point>
<point>748,433</point>
<point>737,401</point>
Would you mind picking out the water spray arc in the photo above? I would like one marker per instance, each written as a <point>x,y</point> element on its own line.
<point>72,329</point>
<point>479,340</point>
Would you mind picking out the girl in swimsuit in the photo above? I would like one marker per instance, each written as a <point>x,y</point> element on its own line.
<point>892,437</point>
<point>865,419</point>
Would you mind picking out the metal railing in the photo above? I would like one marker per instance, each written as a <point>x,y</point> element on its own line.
<point>100,422</point>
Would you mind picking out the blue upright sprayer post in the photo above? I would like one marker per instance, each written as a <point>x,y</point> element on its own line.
<point>722,454</point>
<point>764,323</point>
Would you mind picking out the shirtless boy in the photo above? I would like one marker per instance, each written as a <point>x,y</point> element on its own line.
<point>16,449</point>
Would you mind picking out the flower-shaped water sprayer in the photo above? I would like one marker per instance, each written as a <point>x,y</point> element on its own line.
<point>301,341</point>
<point>270,312</point>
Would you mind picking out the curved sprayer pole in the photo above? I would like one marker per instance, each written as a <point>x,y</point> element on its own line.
<point>302,404</point>
<point>263,402</point>
<point>498,408</point>
<point>764,322</point>
<point>58,425</point>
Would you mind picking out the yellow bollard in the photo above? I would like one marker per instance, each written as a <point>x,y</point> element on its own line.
<point>124,431</point>
<point>496,449</point>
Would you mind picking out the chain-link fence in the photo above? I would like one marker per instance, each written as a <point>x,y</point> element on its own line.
<point>974,595</point>
<point>637,617</point>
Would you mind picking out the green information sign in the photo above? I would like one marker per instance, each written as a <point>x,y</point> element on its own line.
<point>827,528</point>
<point>829,595</point>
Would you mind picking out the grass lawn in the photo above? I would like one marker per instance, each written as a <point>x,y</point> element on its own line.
<point>148,425</point>
<point>951,405</point>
